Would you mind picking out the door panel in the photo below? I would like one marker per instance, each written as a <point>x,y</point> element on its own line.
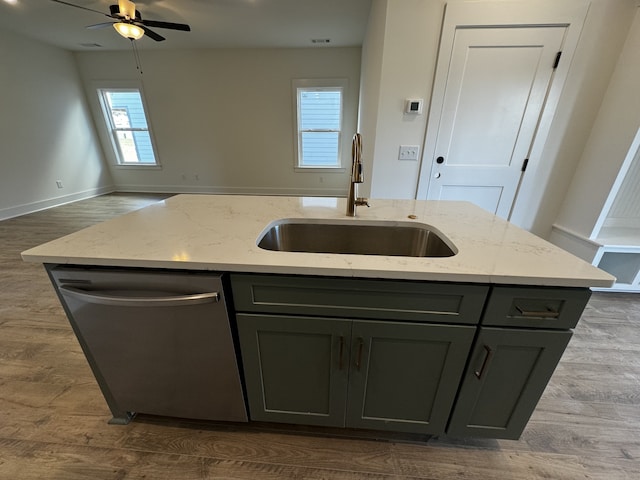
<point>484,196</point>
<point>404,377</point>
<point>496,86</point>
<point>295,368</point>
<point>489,406</point>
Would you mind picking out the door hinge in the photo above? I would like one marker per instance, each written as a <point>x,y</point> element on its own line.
<point>524,165</point>
<point>555,64</point>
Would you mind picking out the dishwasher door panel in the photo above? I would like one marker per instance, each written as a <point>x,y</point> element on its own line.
<point>159,343</point>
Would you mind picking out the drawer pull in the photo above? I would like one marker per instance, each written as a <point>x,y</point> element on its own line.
<point>548,313</point>
<point>359,357</point>
<point>340,362</point>
<point>488,354</point>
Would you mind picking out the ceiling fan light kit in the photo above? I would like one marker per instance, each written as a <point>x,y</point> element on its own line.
<point>128,21</point>
<point>129,30</point>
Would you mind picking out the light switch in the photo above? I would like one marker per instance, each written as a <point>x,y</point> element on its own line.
<point>409,152</point>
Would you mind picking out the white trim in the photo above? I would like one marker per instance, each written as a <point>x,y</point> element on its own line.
<point>574,243</point>
<point>320,83</point>
<point>320,170</point>
<point>295,192</point>
<point>568,231</point>
<point>33,207</point>
<point>102,122</point>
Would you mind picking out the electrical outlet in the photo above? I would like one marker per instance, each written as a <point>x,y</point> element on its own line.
<point>409,152</point>
<point>59,184</point>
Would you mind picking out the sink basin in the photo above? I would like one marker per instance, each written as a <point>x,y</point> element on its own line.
<point>406,239</point>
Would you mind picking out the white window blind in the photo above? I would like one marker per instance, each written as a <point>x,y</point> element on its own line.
<point>127,121</point>
<point>319,125</point>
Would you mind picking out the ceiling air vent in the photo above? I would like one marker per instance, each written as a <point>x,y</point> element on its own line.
<point>320,40</point>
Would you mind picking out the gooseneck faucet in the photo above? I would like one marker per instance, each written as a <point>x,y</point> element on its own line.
<point>356,177</point>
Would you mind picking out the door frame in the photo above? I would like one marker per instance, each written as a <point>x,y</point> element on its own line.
<point>529,13</point>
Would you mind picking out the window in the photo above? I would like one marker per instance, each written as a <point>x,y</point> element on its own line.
<point>127,123</point>
<point>318,106</point>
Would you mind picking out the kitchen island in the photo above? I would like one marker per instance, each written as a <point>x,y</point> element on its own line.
<point>463,344</point>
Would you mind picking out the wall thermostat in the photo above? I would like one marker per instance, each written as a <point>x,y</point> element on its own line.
<point>414,105</point>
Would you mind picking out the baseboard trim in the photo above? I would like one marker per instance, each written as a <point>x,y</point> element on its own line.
<point>18,210</point>
<point>295,192</point>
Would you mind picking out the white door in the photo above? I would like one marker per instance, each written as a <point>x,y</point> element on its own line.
<point>496,86</point>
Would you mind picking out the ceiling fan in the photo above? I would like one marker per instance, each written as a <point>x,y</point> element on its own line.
<point>128,21</point>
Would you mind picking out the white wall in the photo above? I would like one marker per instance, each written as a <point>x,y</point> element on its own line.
<point>603,38</point>
<point>408,58</point>
<point>411,36</point>
<point>611,137</point>
<point>370,88</point>
<point>46,130</point>
<point>223,119</point>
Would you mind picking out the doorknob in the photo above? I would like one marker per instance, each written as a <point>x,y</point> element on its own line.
<point>440,160</point>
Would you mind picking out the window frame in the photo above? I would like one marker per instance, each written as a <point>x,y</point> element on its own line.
<point>112,130</point>
<point>317,84</point>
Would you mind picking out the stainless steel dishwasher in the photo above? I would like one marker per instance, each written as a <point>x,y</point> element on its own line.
<point>158,342</point>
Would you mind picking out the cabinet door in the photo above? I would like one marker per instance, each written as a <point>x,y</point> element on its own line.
<point>404,376</point>
<point>507,373</point>
<point>296,368</point>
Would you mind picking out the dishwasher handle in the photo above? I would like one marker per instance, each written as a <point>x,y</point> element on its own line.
<point>132,301</point>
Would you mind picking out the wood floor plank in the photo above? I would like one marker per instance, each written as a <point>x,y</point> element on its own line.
<point>53,419</point>
<point>266,447</point>
<point>451,463</point>
<point>36,460</point>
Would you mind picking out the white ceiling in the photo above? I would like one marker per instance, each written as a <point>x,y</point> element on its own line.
<point>214,23</point>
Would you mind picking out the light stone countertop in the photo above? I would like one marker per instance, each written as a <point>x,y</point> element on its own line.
<point>219,232</point>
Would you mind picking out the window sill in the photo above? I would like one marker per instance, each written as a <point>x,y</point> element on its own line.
<point>139,166</point>
<point>319,169</point>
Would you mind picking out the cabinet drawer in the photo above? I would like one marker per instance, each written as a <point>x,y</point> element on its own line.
<point>558,308</point>
<point>359,298</point>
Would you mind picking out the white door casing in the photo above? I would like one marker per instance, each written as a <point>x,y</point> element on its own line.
<point>494,96</point>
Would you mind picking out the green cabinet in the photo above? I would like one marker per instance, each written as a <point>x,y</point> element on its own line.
<point>426,357</point>
<point>363,374</point>
<point>508,371</point>
<point>524,332</point>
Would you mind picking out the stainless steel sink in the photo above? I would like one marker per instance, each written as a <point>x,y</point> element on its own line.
<point>406,239</point>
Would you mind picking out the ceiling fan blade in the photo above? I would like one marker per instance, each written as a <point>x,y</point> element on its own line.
<point>80,6</point>
<point>99,25</point>
<point>172,26</point>
<point>153,35</point>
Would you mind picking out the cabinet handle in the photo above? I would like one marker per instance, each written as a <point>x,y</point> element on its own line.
<point>485,362</point>
<point>359,356</point>
<point>548,313</point>
<point>141,301</point>
<point>340,362</point>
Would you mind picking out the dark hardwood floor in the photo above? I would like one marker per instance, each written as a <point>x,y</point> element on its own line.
<point>53,420</point>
